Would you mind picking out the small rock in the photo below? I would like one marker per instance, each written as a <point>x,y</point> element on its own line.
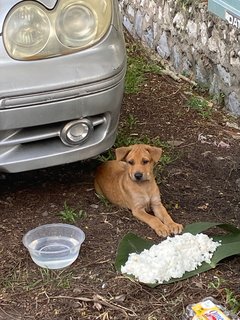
<point>175,143</point>
<point>104,285</point>
<point>220,158</point>
<point>94,206</point>
<point>223,144</point>
<point>120,298</point>
<point>206,153</point>
<point>238,183</point>
<point>204,206</point>
<point>232,125</point>
<point>45,214</point>
<point>74,304</point>
<point>235,136</point>
<point>77,290</point>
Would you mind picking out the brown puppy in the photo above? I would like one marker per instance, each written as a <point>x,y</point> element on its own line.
<point>129,182</point>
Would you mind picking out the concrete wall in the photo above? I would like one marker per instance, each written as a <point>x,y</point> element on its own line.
<point>193,41</point>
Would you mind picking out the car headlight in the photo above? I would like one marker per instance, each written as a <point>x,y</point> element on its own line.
<point>26,30</point>
<point>76,25</point>
<point>32,32</point>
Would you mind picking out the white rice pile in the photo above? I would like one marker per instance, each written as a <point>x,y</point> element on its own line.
<point>171,258</point>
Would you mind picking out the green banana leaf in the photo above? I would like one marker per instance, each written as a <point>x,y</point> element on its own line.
<point>230,245</point>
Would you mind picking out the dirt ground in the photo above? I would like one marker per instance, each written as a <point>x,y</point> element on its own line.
<point>201,184</point>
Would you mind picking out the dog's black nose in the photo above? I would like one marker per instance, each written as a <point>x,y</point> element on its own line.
<point>138,175</point>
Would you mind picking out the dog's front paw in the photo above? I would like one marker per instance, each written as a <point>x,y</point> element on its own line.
<point>161,229</point>
<point>175,228</point>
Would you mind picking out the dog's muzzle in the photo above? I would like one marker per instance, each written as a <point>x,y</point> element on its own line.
<point>138,176</point>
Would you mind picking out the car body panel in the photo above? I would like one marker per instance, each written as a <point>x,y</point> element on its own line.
<point>85,67</point>
<point>5,6</point>
<point>38,98</point>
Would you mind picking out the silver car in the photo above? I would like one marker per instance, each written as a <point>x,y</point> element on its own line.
<point>62,68</point>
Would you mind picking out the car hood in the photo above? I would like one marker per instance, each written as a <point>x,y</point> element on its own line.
<point>5,6</point>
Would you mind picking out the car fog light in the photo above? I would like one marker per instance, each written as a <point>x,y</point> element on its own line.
<point>75,132</point>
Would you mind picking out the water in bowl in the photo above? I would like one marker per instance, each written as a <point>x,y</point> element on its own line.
<point>54,252</point>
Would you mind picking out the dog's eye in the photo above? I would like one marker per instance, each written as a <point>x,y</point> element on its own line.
<point>131,162</point>
<point>145,161</point>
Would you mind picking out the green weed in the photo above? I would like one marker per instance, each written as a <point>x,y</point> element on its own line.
<point>185,73</point>
<point>219,98</point>
<point>126,139</point>
<point>186,3</point>
<point>71,215</point>
<point>134,75</point>
<point>201,105</point>
<point>103,200</point>
<point>137,67</point>
<point>15,279</point>
<point>57,279</point>
<point>131,121</point>
<point>23,279</point>
<point>202,87</point>
<point>231,300</point>
<point>216,284</point>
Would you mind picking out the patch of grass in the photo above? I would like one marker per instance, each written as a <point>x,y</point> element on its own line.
<point>15,279</point>
<point>57,279</point>
<point>219,98</point>
<point>134,75</point>
<point>71,215</point>
<point>216,284</point>
<point>201,105</point>
<point>131,121</point>
<point>124,139</point>
<point>22,279</point>
<point>185,73</point>
<point>103,200</point>
<point>231,300</point>
<point>187,3</point>
<point>203,87</point>
<point>137,67</point>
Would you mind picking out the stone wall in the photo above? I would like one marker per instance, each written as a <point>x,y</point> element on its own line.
<point>192,41</point>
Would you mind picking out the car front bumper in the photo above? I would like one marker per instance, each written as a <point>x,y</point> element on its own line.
<point>36,106</point>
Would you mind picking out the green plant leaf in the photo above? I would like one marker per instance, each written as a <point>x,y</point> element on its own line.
<point>198,227</point>
<point>130,243</point>
<point>230,245</point>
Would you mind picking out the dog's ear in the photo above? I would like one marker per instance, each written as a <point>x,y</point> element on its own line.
<point>122,152</point>
<point>155,153</point>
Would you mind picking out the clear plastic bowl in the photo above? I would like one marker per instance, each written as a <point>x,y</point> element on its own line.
<point>54,246</point>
